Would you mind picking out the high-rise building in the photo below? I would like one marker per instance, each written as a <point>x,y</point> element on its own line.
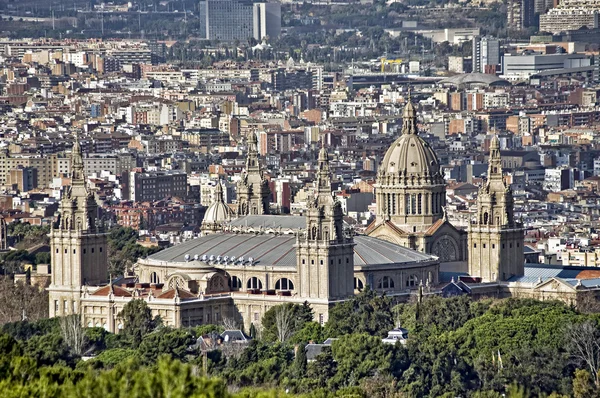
<point>267,20</point>
<point>230,20</point>
<point>486,54</point>
<point>520,14</point>
<point>495,238</point>
<point>78,244</point>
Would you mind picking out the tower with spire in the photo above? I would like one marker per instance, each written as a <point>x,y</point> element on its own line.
<point>78,243</point>
<point>253,190</point>
<point>495,239</point>
<point>325,254</point>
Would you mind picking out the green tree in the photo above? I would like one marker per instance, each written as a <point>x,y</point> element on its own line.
<point>172,342</point>
<point>137,321</point>
<point>300,361</point>
<point>367,312</point>
<point>583,384</point>
<point>282,321</point>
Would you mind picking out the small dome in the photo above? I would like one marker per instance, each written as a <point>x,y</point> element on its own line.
<point>218,212</point>
<point>410,155</point>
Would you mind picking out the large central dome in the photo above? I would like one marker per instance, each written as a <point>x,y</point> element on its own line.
<point>410,155</point>
<point>410,190</point>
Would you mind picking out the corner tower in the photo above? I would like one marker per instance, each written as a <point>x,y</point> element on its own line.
<point>253,189</point>
<point>78,243</point>
<point>325,255</point>
<point>495,239</point>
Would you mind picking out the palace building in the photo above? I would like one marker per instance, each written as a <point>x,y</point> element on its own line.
<point>239,267</point>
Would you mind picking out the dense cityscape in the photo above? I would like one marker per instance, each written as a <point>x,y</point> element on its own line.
<point>233,198</point>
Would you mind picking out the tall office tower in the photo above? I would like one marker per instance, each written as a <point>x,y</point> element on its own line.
<point>486,54</point>
<point>520,14</point>
<point>230,20</point>
<point>226,20</point>
<point>267,20</point>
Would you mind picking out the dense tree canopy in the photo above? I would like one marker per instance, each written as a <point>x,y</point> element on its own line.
<point>456,347</point>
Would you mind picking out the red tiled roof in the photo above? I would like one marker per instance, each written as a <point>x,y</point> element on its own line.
<point>118,291</point>
<point>169,294</point>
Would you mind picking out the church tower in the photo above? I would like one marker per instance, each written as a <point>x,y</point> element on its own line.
<point>325,255</point>
<point>78,244</point>
<point>253,190</point>
<point>495,239</point>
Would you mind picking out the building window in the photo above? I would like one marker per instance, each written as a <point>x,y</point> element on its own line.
<point>254,283</point>
<point>358,284</point>
<point>321,262</point>
<point>284,284</point>
<point>56,250</point>
<point>154,278</point>
<point>56,306</point>
<point>420,203</point>
<point>385,283</point>
<point>303,261</point>
<point>475,245</point>
<point>100,250</point>
<point>84,251</point>
<point>235,283</point>
<point>256,316</point>
<point>92,249</point>
<point>74,251</point>
<point>65,251</point>
<point>312,262</point>
<point>321,319</point>
<point>493,246</point>
<point>412,281</point>
<point>484,245</point>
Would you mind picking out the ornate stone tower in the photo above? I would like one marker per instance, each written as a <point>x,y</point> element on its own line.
<point>325,255</point>
<point>495,239</point>
<point>78,243</point>
<point>253,190</point>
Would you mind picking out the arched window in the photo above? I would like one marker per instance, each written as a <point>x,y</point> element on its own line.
<point>358,284</point>
<point>254,283</point>
<point>284,284</point>
<point>154,278</point>
<point>420,203</point>
<point>412,281</point>
<point>385,283</point>
<point>407,204</point>
<point>486,216</point>
<point>235,283</point>
<point>413,204</point>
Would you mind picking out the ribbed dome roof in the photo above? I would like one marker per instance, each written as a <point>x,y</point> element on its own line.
<point>218,212</point>
<point>410,155</point>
